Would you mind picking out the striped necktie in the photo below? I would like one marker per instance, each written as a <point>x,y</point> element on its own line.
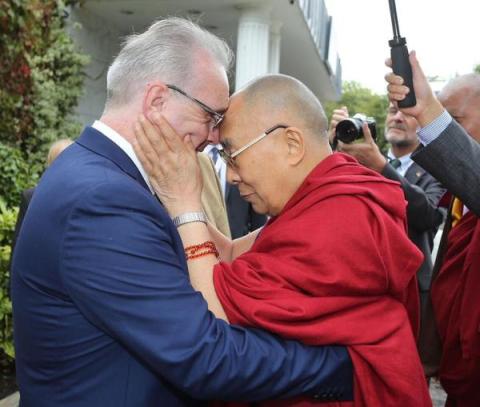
<point>214,154</point>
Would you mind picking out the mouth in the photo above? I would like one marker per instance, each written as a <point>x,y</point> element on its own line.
<point>399,128</point>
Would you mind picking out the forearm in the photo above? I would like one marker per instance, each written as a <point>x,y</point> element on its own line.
<point>243,244</point>
<point>200,269</point>
<point>223,243</point>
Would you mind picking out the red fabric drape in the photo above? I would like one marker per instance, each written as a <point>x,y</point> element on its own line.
<point>336,267</point>
<point>455,299</point>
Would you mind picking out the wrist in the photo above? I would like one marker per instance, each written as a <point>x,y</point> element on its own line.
<point>189,217</point>
<point>177,208</point>
<point>432,111</point>
<point>379,164</point>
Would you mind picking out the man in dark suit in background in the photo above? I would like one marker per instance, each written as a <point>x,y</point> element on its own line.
<point>422,191</point>
<point>450,136</point>
<point>104,312</point>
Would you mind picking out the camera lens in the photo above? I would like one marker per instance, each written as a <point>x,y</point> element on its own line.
<point>348,130</point>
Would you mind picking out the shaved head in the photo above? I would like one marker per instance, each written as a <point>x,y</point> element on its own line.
<point>275,132</point>
<point>461,98</point>
<point>281,98</point>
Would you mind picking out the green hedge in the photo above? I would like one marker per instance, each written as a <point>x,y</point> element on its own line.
<point>8,218</point>
<point>41,74</point>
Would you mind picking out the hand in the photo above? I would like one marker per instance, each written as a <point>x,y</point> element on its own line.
<point>367,153</point>
<point>428,108</point>
<point>337,116</point>
<point>171,164</point>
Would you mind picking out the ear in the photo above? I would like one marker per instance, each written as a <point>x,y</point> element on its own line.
<point>154,98</point>
<point>295,145</point>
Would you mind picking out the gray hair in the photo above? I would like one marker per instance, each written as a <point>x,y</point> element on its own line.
<point>165,51</point>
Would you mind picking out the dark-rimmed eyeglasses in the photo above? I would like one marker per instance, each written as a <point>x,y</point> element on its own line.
<point>230,158</point>
<point>217,118</point>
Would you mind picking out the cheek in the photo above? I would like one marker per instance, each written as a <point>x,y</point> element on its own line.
<point>473,129</point>
<point>183,127</point>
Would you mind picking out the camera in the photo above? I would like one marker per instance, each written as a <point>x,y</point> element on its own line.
<point>349,130</point>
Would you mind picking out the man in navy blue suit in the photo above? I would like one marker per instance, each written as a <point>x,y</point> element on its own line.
<point>104,311</point>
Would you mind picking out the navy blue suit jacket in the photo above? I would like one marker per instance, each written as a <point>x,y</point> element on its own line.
<point>105,314</point>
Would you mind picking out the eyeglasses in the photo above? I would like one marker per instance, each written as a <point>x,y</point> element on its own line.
<point>230,158</point>
<point>217,118</point>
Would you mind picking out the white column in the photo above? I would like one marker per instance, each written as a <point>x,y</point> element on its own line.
<point>274,55</point>
<point>252,45</point>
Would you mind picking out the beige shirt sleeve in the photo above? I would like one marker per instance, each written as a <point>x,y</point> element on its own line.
<point>212,197</point>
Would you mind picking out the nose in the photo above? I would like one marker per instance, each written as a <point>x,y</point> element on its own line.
<point>213,136</point>
<point>232,176</point>
<point>398,116</point>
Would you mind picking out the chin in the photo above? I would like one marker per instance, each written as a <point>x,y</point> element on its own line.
<point>260,209</point>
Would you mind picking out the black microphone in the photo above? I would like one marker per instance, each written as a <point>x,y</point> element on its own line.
<point>400,62</point>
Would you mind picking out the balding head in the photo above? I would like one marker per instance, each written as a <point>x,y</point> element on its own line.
<point>281,98</point>
<point>461,98</point>
<point>276,132</point>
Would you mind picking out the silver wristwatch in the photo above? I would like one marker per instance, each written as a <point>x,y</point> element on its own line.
<point>189,217</point>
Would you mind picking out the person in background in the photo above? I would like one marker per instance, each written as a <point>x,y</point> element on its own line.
<point>450,135</point>
<point>422,192</point>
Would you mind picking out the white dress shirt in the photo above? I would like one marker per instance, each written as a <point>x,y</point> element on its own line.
<point>405,162</point>
<point>125,146</point>
<point>220,165</point>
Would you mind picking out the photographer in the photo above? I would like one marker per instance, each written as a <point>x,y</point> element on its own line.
<point>422,191</point>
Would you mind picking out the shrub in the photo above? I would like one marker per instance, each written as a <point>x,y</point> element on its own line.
<point>42,78</point>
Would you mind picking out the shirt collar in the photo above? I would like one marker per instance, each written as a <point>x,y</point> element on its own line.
<point>405,160</point>
<point>125,146</point>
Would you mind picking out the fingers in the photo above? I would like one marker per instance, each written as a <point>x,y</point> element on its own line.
<point>396,89</point>
<point>168,135</point>
<point>146,152</point>
<point>416,68</point>
<point>343,147</point>
<point>339,115</point>
<point>367,135</point>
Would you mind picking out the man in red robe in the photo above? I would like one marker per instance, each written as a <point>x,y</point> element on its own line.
<point>454,159</point>
<point>333,264</point>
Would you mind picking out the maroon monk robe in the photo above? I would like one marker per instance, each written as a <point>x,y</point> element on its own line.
<point>336,267</point>
<point>456,304</point>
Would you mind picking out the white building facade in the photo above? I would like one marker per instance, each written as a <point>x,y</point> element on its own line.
<point>293,37</point>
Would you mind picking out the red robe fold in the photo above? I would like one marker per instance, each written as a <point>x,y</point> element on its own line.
<point>456,303</point>
<point>336,267</point>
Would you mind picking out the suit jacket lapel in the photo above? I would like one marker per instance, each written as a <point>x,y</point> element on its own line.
<point>97,142</point>
<point>414,173</point>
